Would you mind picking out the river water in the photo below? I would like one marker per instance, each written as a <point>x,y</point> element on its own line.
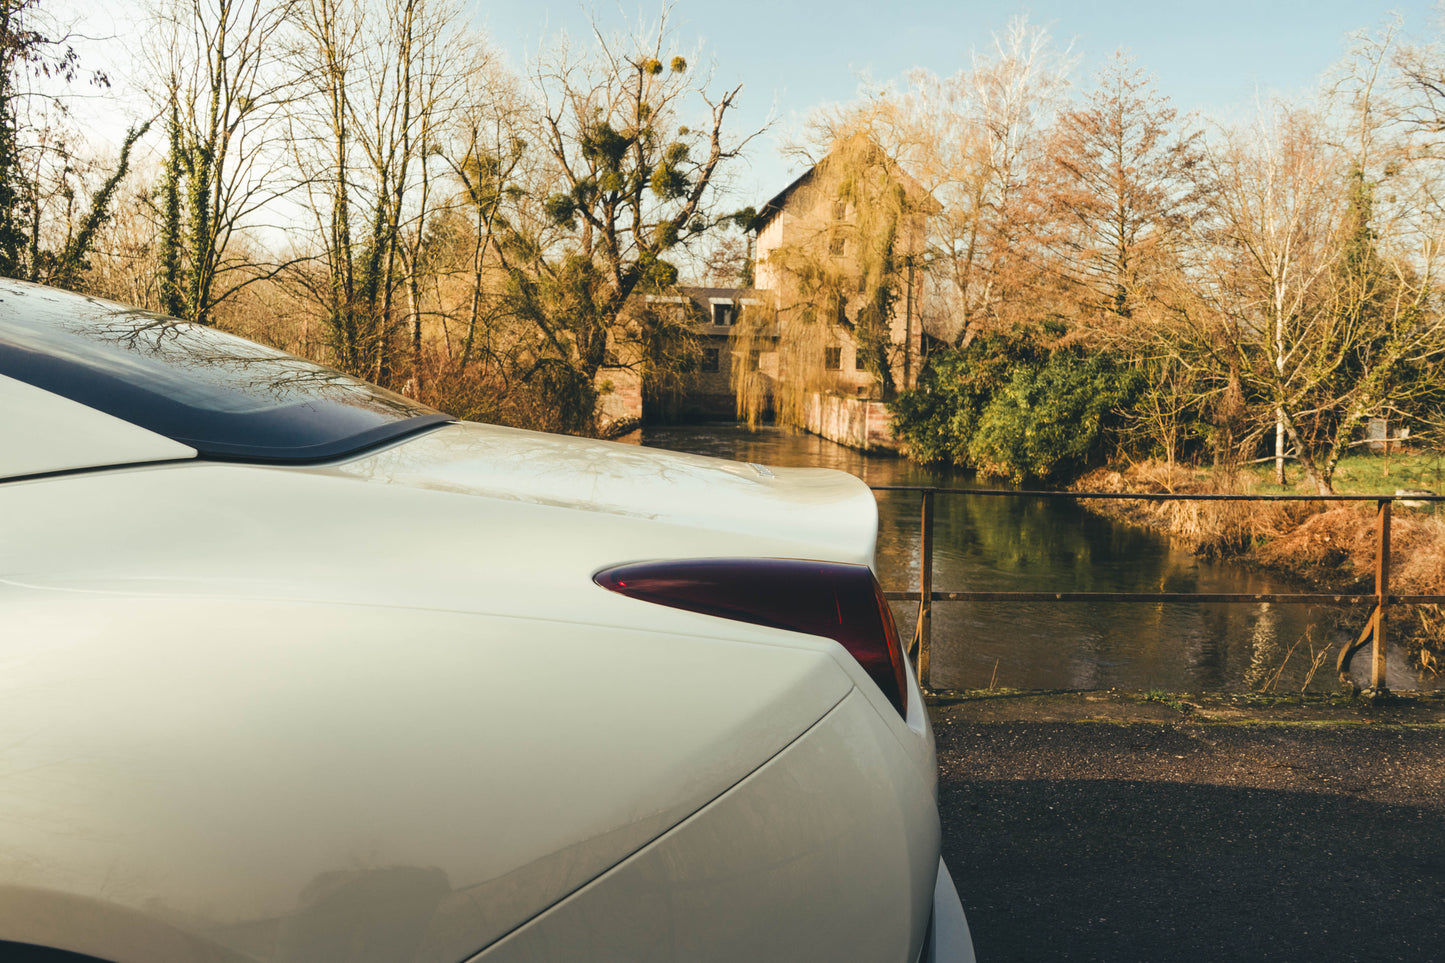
<point>989,543</point>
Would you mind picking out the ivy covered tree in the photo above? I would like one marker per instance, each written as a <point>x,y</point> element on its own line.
<point>1372,345</point>
<point>1327,305</point>
<point>1051,421</point>
<point>44,234</point>
<point>221,88</point>
<point>18,45</point>
<point>939,419</point>
<point>1014,406</point>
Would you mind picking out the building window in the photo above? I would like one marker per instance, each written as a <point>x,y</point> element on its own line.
<point>709,359</point>
<point>755,359</point>
<point>857,361</point>
<point>724,314</point>
<point>840,209</point>
<point>833,358</point>
<point>835,245</point>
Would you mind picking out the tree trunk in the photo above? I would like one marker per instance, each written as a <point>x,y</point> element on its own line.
<point>1279,446</point>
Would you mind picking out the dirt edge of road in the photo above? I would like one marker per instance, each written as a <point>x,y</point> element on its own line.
<point>1414,708</point>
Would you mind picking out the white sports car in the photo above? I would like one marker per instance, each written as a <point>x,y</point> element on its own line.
<point>295,669</point>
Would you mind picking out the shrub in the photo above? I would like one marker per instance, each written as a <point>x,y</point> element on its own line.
<point>938,419</point>
<point>1049,422</point>
<point>1008,406</point>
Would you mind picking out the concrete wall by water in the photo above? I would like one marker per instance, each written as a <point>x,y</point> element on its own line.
<point>619,397</point>
<point>850,421</point>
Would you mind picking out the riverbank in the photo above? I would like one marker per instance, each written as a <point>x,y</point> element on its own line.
<point>1115,826</point>
<point>1332,548</point>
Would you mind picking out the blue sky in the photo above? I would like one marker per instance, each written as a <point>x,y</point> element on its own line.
<point>1215,57</point>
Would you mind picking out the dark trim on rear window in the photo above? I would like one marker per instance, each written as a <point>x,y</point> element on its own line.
<point>351,445</point>
<point>226,397</point>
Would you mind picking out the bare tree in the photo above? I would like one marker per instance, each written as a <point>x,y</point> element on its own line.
<point>321,138</point>
<point>386,85</point>
<point>982,132</point>
<point>1327,298</point>
<point>489,168</point>
<point>219,83</point>
<point>1271,244</point>
<point>1117,195</point>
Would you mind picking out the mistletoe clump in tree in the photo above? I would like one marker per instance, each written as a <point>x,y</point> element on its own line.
<point>632,189</point>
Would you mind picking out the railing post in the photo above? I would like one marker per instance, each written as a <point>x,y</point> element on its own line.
<point>923,635</point>
<point>1382,595</point>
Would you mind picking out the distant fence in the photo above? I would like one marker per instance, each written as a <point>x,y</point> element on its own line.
<point>1380,600</point>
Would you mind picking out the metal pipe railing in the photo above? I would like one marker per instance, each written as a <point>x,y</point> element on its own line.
<point>1380,600</point>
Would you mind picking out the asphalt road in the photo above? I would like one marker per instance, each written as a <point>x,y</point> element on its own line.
<point>1149,834</point>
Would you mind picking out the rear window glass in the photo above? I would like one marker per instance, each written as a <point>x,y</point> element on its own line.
<point>222,395</point>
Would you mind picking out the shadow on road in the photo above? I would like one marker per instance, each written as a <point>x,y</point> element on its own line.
<point>1084,865</point>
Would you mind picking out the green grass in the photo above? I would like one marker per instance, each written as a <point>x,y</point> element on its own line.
<point>1165,698</point>
<point>1365,473</point>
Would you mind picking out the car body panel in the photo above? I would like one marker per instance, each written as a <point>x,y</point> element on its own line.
<point>786,886</point>
<point>949,939</point>
<point>833,512</point>
<point>187,594</point>
<point>225,529</point>
<point>383,776</point>
<point>47,433</point>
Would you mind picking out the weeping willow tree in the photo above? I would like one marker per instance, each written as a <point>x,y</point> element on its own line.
<point>841,267</point>
<point>752,385</point>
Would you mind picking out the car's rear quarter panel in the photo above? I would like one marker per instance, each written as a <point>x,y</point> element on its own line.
<point>828,852</point>
<point>299,782</point>
<point>297,715</point>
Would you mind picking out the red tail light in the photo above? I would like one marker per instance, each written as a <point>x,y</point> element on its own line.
<point>831,599</point>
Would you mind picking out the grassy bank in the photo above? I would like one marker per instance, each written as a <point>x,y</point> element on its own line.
<point>1331,546</point>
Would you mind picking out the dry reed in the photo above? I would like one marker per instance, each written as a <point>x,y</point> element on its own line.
<point>1333,548</point>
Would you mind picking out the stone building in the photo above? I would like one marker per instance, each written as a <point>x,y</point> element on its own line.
<point>821,219</point>
<point>714,314</point>
<point>807,333</point>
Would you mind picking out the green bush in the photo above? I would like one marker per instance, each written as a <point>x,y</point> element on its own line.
<point>939,418</point>
<point>1048,423</point>
<point>1009,407</point>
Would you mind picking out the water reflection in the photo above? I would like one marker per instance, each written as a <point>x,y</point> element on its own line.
<point>994,543</point>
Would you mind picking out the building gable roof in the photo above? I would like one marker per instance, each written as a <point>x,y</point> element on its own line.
<point>914,190</point>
